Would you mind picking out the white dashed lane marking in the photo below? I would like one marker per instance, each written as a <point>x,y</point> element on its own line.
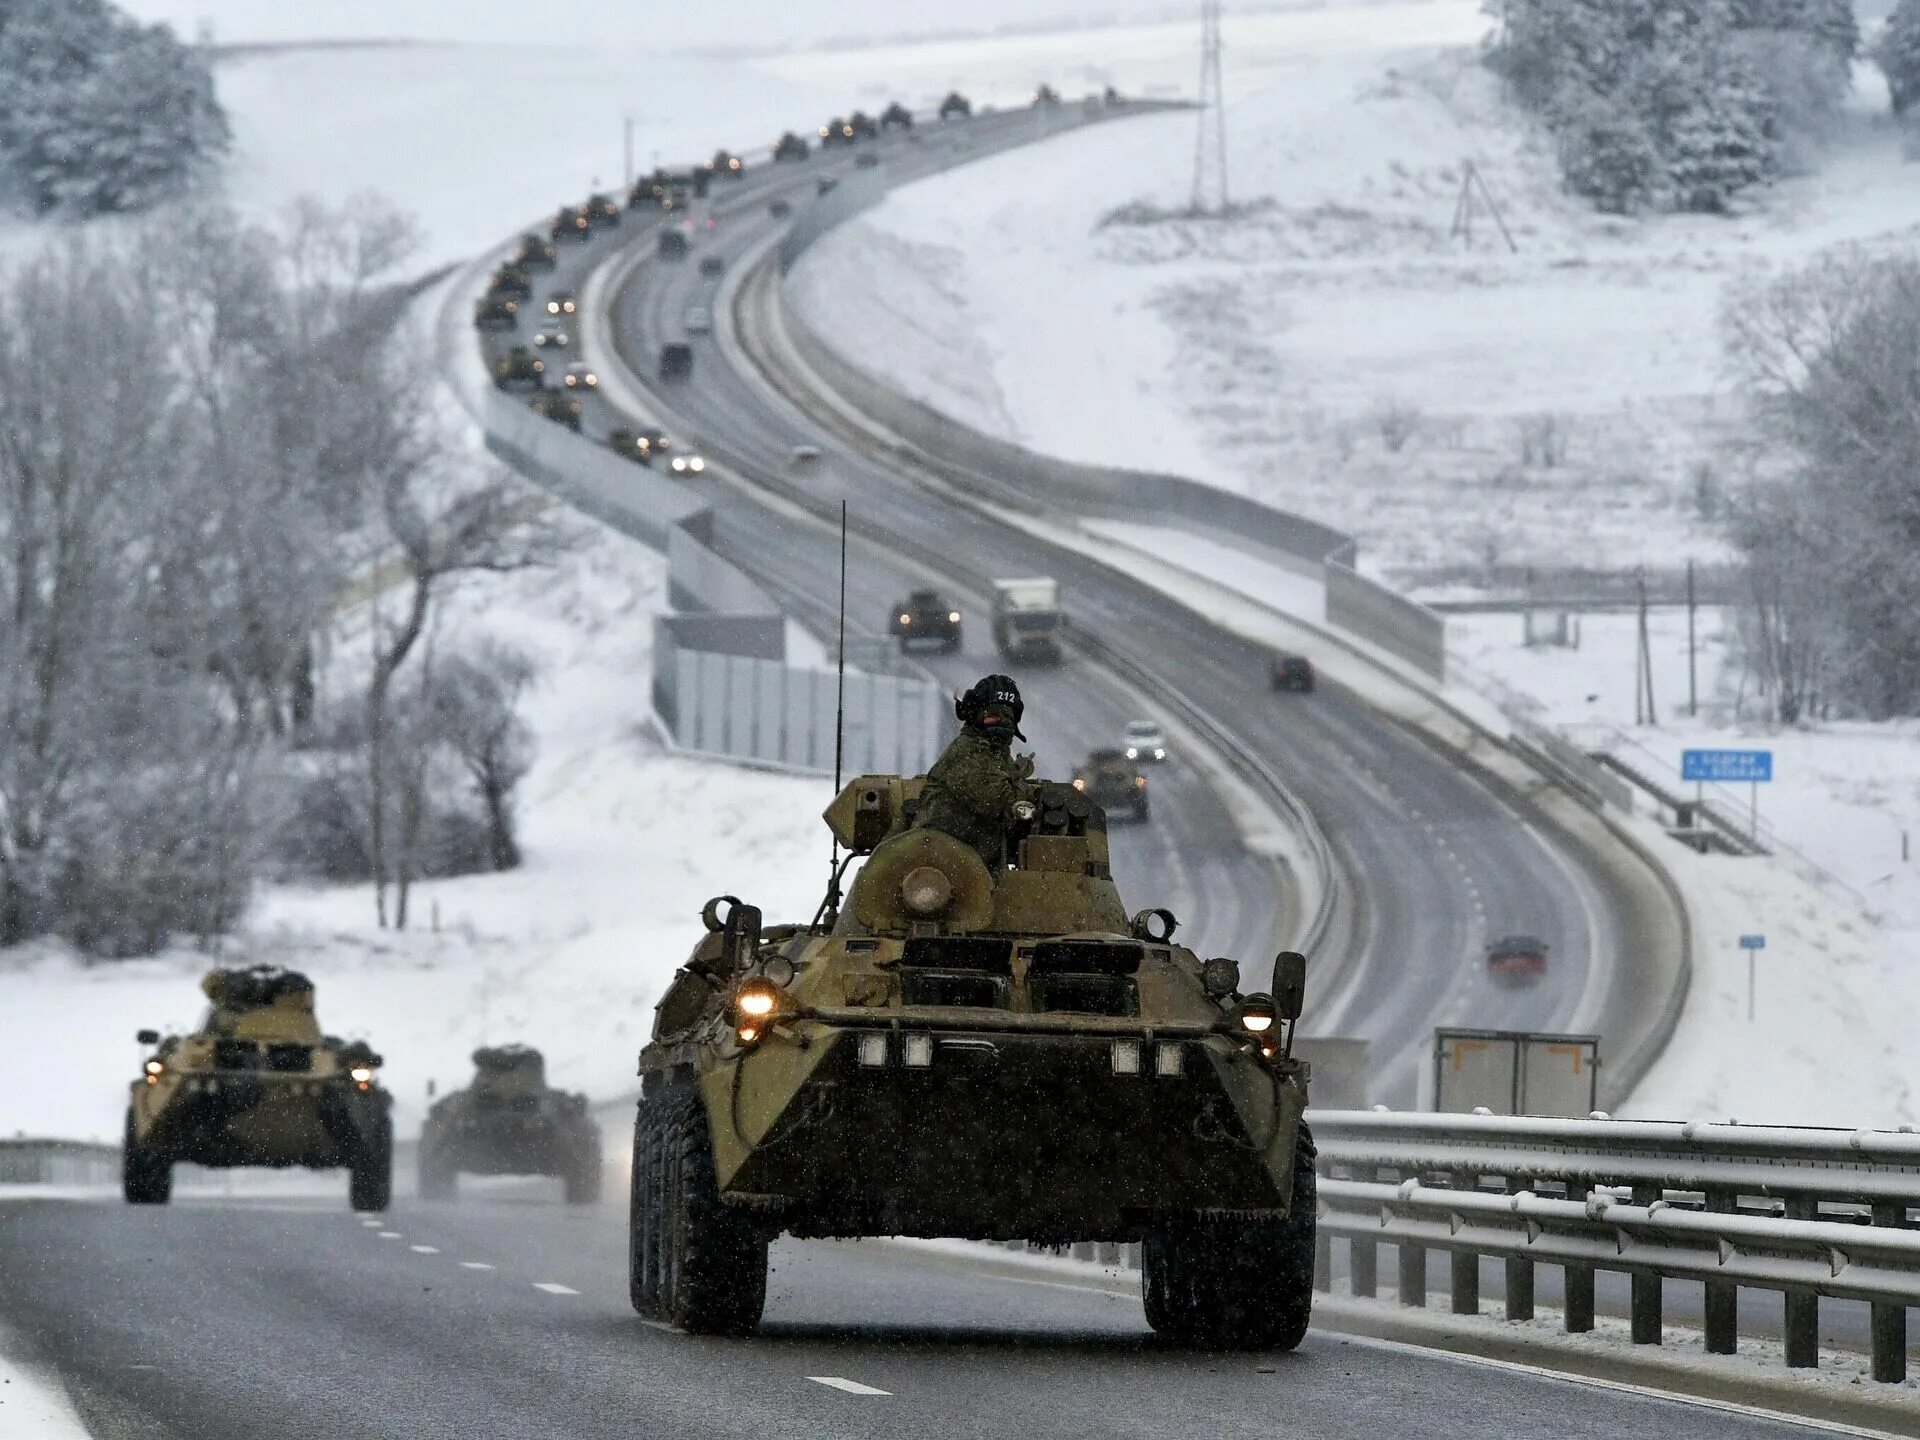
<point>373,1224</point>
<point>389,1234</point>
<point>554,1288</point>
<point>423,1249</point>
<point>852,1387</point>
<point>475,1265</point>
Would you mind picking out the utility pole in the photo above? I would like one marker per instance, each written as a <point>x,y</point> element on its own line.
<point>1644,665</point>
<point>626,135</point>
<point>1210,141</point>
<point>1693,673</point>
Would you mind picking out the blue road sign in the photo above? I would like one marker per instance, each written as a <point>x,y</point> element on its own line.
<point>1727,767</point>
<point>1753,942</point>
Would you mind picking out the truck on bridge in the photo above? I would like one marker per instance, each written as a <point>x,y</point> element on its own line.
<point>1027,620</point>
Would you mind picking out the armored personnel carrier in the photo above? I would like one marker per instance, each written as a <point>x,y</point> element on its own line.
<point>519,366</point>
<point>535,253</point>
<point>496,312</point>
<point>258,1084</point>
<point>510,1122</point>
<point>975,1050</point>
<point>1114,783</point>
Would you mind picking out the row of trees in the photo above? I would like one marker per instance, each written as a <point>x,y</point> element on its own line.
<point>99,113</point>
<point>1679,104</point>
<point>1831,360</point>
<point>208,438</point>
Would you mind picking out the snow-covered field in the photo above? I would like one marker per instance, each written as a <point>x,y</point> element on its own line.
<point>1337,350</point>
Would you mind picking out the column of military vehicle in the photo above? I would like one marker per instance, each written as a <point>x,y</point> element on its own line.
<point>509,1121</point>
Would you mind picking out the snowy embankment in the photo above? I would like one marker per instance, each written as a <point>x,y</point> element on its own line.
<point>1269,355</point>
<point>1337,349</point>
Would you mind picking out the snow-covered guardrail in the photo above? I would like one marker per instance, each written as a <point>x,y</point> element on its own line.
<point>1807,1212</point>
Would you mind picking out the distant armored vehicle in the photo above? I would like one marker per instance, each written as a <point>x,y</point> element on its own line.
<point>519,366</point>
<point>1145,741</point>
<point>956,106</point>
<point>676,360</point>
<point>673,244</point>
<point>1517,959</point>
<point>1292,672</point>
<point>1045,97</point>
<point>257,1084</point>
<point>560,408</point>
<point>791,147</point>
<point>1114,783</point>
<point>643,445</point>
<point>727,165</point>
<point>923,616</point>
<point>988,1051</point>
<point>1027,620</point>
<point>603,209</point>
<point>571,223</point>
<point>496,312</point>
<point>510,1122</point>
<point>512,282</point>
<point>535,253</point>
<point>862,127</point>
<point>713,266</point>
<point>836,132</point>
<point>896,116</point>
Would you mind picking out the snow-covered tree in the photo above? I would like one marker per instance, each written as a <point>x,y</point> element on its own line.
<point>100,114</point>
<point>1719,144</point>
<point>1897,53</point>
<point>1608,156</point>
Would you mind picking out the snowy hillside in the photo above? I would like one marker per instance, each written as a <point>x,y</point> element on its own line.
<point>1337,349</point>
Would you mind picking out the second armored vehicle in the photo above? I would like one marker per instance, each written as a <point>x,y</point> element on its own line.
<point>509,1121</point>
<point>571,223</point>
<point>257,1084</point>
<point>1114,783</point>
<point>519,366</point>
<point>496,312</point>
<point>642,445</point>
<point>535,253</point>
<point>925,616</point>
<point>988,1051</point>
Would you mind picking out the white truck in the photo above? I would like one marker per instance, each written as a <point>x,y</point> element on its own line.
<point>1027,621</point>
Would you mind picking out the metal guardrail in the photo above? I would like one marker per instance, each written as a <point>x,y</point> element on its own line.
<point>1807,1212</point>
<point>58,1162</point>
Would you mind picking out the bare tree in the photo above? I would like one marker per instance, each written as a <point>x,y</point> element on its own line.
<point>478,700</point>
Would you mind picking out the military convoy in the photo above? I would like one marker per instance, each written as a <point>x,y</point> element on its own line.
<point>258,1084</point>
<point>509,1121</point>
<point>974,1051</point>
<point>791,147</point>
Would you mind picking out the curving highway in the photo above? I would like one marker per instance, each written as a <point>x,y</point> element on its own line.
<point>1436,861</point>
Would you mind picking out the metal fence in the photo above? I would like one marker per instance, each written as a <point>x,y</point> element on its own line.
<point>1809,1213</point>
<point>722,684</point>
<point>58,1162</point>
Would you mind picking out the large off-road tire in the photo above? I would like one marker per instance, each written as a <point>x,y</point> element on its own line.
<point>582,1177</point>
<point>439,1178</point>
<point>712,1261</point>
<point>370,1178</point>
<point>145,1178</point>
<point>1236,1285</point>
<point>643,1214</point>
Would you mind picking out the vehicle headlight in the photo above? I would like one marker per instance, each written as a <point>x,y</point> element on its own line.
<point>1078,783</point>
<point>1159,752</point>
<point>1133,753</point>
<point>1139,782</point>
<point>954,616</point>
<point>1257,1015</point>
<point>699,465</point>
<point>757,1004</point>
<point>156,1067</point>
<point>361,1074</point>
<point>906,619</point>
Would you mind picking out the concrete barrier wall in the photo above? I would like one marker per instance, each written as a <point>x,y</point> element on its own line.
<point>1006,474</point>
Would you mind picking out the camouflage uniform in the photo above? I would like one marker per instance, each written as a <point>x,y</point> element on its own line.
<point>970,793</point>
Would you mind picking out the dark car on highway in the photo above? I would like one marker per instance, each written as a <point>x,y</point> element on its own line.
<point>1517,959</point>
<point>713,265</point>
<point>673,245</point>
<point>1293,673</point>
<point>676,360</point>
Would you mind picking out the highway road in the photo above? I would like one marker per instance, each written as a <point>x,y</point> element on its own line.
<point>1436,861</point>
<point>505,1315</point>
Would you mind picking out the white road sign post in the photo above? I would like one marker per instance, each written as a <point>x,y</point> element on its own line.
<point>1753,945</point>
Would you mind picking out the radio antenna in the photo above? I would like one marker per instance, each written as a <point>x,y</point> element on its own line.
<point>830,907</point>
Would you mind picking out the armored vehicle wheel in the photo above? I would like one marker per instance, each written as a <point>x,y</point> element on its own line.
<point>712,1262</point>
<point>1237,1285</point>
<point>582,1178</point>
<point>145,1178</point>
<point>643,1216</point>
<point>439,1180</point>
<point>370,1182</point>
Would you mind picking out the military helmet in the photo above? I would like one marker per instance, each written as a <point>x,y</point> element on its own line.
<point>991,693</point>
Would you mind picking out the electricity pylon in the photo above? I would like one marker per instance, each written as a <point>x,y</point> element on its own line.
<point>1210,144</point>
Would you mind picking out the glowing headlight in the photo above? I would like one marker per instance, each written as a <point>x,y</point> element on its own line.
<point>1133,752</point>
<point>156,1067</point>
<point>953,616</point>
<point>1256,1015</point>
<point>1139,782</point>
<point>756,1002</point>
<point>1078,783</point>
<point>906,619</point>
<point>1159,753</point>
<point>698,465</point>
<point>362,1074</point>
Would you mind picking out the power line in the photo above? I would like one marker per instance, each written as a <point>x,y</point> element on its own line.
<point>1210,143</point>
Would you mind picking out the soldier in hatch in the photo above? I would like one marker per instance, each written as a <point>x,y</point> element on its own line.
<point>971,789</point>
